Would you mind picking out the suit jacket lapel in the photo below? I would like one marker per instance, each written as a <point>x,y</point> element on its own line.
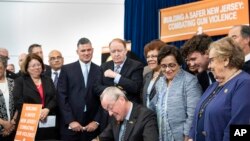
<point>125,67</point>
<point>78,71</point>
<point>116,130</point>
<point>132,121</point>
<point>147,81</point>
<point>30,83</point>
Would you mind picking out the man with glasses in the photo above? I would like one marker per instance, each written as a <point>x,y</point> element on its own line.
<point>122,71</point>
<point>55,61</point>
<point>5,53</point>
<point>195,53</point>
<point>129,121</point>
<point>241,35</point>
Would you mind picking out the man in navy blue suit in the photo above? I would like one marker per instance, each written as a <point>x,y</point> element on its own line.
<point>78,103</point>
<point>122,71</point>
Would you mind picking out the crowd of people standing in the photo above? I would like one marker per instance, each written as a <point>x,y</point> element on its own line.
<point>115,101</point>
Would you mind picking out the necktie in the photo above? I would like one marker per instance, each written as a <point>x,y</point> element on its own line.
<point>117,67</point>
<point>123,132</point>
<point>56,78</point>
<point>85,74</point>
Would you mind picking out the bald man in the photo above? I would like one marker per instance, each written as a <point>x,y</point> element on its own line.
<point>5,53</point>
<point>56,61</point>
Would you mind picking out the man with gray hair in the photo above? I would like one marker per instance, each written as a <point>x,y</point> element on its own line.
<point>241,35</point>
<point>5,53</point>
<point>129,121</point>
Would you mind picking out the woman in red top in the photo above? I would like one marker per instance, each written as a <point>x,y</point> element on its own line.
<point>36,88</point>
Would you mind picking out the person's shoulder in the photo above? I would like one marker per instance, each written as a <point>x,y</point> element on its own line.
<point>11,75</point>
<point>142,109</point>
<point>134,62</point>
<point>95,65</point>
<point>107,64</point>
<point>148,74</point>
<point>243,76</point>
<point>186,76</point>
<point>70,65</point>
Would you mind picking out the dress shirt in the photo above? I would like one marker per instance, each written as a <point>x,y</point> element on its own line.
<point>127,119</point>
<point>53,74</point>
<point>247,57</point>
<point>117,78</point>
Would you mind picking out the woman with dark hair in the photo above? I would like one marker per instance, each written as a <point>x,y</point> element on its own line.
<point>177,93</point>
<point>35,88</point>
<point>225,102</point>
<point>8,114</point>
<point>151,51</point>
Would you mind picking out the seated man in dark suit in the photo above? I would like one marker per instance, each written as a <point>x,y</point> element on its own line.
<point>129,121</point>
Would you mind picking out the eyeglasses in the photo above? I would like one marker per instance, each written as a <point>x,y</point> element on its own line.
<point>170,66</point>
<point>118,51</point>
<point>211,59</point>
<point>55,58</point>
<point>35,65</point>
<point>151,56</point>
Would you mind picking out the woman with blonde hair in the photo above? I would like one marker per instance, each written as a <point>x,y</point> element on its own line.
<point>225,102</point>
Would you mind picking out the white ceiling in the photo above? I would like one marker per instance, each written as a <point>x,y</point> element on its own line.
<point>70,1</point>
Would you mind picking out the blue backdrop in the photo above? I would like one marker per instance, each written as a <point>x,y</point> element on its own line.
<point>142,22</point>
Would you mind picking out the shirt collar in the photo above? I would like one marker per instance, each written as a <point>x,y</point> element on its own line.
<point>121,65</point>
<point>82,63</point>
<point>129,112</point>
<point>247,57</point>
<point>58,71</point>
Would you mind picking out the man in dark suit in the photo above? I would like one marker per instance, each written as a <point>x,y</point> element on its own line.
<point>78,103</point>
<point>195,53</point>
<point>55,62</point>
<point>122,71</point>
<point>5,53</point>
<point>37,49</point>
<point>129,121</point>
<point>241,35</point>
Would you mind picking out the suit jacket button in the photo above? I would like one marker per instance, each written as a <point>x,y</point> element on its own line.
<point>204,133</point>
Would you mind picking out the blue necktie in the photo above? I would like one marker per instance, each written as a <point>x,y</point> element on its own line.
<point>123,132</point>
<point>117,67</point>
<point>56,78</point>
<point>85,74</point>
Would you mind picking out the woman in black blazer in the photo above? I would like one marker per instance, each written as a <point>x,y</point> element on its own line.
<point>7,109</point>
<point>35,88</point>
<point>151,51</point>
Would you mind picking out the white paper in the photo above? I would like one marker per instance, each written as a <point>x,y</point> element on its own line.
<point>50,122</point>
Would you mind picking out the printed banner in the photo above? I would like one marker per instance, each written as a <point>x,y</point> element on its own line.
<point>26,130</point>
<point>213,17</point>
